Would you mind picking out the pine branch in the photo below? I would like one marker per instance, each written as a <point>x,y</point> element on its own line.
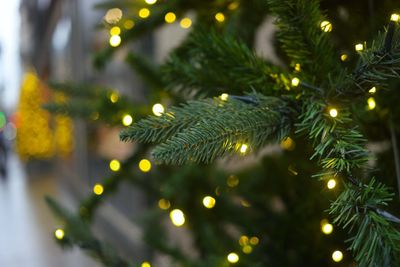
<point>234,123</point>
<point>303,40</point>
<point>375,239</point>
<point>377,66</point>
<point>199,66</point>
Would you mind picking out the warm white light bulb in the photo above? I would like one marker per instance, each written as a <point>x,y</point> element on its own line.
<point>177,217</point>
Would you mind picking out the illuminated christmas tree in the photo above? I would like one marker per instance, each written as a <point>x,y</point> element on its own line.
<point>310,121</point>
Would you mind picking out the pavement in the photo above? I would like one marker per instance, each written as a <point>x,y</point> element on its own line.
<point>26,224</point>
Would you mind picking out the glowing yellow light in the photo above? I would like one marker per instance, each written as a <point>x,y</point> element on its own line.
<point>247,249</point>
<point>243,148</point>
<point>144,13</point>
<point>127,120</point>
<point>170,17</point>
<point>327,228</point>
<point>158,109</point>
<point>233,5</point>
<point>129,24</point>
<point>254,240</point>
<point>186,23</point>
<point>333,112</point>
<point>372,90</point>
<point>233,257</point>
<point>115,40</point>
<point>145,165</point>
<point>114,97</point>
<point>288,144</point>
<point>395,17</point>
<point>297,67</point>
<point>326,26</point>
<point>243,240</point>
<point>344,57</point>
<point>359,47</point>
<point>145,264</point>
<point>59,234</point>
<point>232,181</point>
<point>337,256</point>
<point>164,204</point>
<point>331,183</point>
<point>150,2</point>
<point>209,202</point>
<point>98,189</point>
<point>295,82</point>
<point>113,15</point>
<point>220,17</point>
<point>177,217</point>
<point>224,97</point>
<point>115,165</point>
<point>115,30</point>
<point>371,103</point>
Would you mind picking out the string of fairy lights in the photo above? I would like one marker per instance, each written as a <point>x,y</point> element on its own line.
<point>177,216</point>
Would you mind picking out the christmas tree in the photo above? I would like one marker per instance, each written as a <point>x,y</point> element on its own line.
<point>312,121</point>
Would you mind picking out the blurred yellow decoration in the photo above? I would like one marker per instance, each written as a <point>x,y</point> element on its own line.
<point>331,184</point>
<point>129,24</point>
<point>254,240</point>
<point>115,30</point>
<point>359,47</point>
<point>144,13</point>
<point>224,97</point>
<point>177,217</point>
<point>145,264</point>
<point>233,257</point>
<point>186,23</point>
<point>243,240</point>
<point>114,97</point>
<point>164,204</point>
<point>59,234</point>
<point>295,82</point>
<point>115,165</point>
<point>333,112</point>
<point>209,202</point>
<point>247,249</point>
<point>145,165</point>
<point>288,144</point>
<point>326,26</point>
<point>395,17</point>
<point>372,90</point>
<point>115,40</point>
<point>39,134</point>
<point>220,17</point>
<point>371,103</point>
<point>127,120</point>
<point>150,2</point>
<point>344,57</point>
<point>98,189</point>
<point>113,15</point>
<point>243,148</point>
<point>337,256</point>
<point>170,17</point>
<point>158,109</point>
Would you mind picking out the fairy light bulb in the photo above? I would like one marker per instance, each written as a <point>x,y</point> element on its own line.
<point>98,189</point>
<point>371,103</point>
<point>337,256</point>
<point>295,82</point>
<point>144,13</point>
<point>145,264</point>
<point>247,249</point>
<point>395,17</point>
<point>209,202</point>
<point>331,184</point>
<point>115,40</point>
<point>145,165</point>
<point>372,90</point>
<point>114,97</point>
<point>164,204</point>
<point>186,23</point>
<point>170,17</point>
<point>177,217</point>
<point>127,120</point>
<point>243,148</point>
<point>115,165</point>
<point>333,112</point>
<point>158,109</point>
<point>326,227</point>
<point>254,240</point>
<point>359,47</point>
<point>220,17</point>
<point>344,57</point>
<point>224,97</point>
<point>297,67</point>
<point>150,2</point>
<point>233,257</point>
<point>326,26</point>
<point>129,24</point>
<point>59,234</point>
<point>115,30</point>
<point>113,15</point>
